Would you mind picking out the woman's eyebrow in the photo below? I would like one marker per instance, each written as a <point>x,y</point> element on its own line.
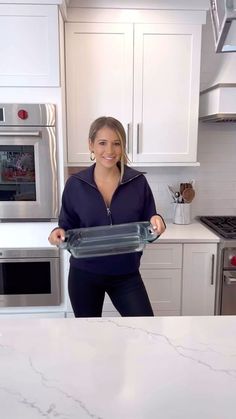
<point>103,139</point>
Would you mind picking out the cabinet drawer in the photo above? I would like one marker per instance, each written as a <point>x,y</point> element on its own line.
<point>162,256</point>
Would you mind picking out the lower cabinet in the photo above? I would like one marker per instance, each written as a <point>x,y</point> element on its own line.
<point>199,279</point>
<point>161,270</point>
<point>164,290</point>
<point>180,279</point>
<point>33,315</point>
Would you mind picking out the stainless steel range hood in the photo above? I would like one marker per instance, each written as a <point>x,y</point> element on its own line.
<point>218,103</point>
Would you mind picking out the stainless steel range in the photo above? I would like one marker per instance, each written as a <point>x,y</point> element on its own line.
<point>225,228</point>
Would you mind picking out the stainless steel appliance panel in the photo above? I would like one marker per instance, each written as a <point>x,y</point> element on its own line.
<point>228,303</point>
<point>25,114</point>
<point>28,163</point>
<point>29,277</point>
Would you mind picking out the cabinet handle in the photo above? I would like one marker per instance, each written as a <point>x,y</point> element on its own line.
<point>212,268</point>
<point>138,136</point>
<point>128,138</point>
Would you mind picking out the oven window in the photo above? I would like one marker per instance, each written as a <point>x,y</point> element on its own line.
<point>17,173</point>
<point>25,278</point>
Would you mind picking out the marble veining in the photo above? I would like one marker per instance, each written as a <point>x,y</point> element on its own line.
<point>113,368</point>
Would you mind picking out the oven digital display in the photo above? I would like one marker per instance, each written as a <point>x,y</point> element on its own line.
<point>1,115</point>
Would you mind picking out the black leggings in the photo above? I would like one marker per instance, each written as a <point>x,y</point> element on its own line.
<point>127,293</point>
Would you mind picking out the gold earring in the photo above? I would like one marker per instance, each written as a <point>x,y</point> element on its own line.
<point>92,156</point>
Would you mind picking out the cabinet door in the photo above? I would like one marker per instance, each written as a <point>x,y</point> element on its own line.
<point>166,92</point>
<point>161,270</point>
<point>29,47</point>
<point>99,66</point>
<point>164,289</point>
<point>199,276</point>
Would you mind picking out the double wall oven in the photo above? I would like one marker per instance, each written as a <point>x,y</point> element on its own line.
<point>225,228</point>
<point>28,192</point>
<point>28,162</point>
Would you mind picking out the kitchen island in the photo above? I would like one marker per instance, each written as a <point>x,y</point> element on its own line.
<point>113,368</point>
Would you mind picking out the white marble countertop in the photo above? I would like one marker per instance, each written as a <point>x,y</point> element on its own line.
<point>25,234</point>
<point>113,368</point>
<point>189,233</point>
<point>36,234</point>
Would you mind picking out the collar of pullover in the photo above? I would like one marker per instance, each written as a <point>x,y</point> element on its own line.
<point>87,175</point>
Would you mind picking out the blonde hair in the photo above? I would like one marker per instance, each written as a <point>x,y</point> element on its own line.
<point>115,125</point>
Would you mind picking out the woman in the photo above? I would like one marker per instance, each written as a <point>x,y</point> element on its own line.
<point>108,192</point>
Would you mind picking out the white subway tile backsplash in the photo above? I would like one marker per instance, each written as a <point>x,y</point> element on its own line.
<point>215,179</point>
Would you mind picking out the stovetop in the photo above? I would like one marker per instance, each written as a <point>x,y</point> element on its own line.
<point>225,226</point>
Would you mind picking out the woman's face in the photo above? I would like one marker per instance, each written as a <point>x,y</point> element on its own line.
<point>106,147</point>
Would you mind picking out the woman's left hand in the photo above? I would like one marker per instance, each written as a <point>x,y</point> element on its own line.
<point>158,224</point>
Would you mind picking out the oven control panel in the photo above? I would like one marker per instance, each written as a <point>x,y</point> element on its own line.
<point>27,114</point>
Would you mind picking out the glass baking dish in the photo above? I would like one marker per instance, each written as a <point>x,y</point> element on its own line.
<point>109,239</point>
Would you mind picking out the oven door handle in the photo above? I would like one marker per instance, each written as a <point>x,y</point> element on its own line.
<point>229,279</point>
<point>20,133</point>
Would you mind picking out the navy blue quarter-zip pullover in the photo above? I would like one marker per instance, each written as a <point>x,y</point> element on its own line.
<point>83,206</point>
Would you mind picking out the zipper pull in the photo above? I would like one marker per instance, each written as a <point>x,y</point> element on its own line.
<point>109,215</point>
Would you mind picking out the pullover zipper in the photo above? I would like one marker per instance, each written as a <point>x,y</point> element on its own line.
<point>109,215</point>
<point>107,208</point>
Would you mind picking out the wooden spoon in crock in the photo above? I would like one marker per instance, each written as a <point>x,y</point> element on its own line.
<point>188,194</point>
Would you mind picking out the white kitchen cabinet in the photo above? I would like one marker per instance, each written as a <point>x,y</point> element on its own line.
<point>32,315</point>
<point>199,279</point>
<point>99,80</point>
<point>166,92</point>
<point>29,47</point>
<point>179,278</point>
<point>161,270</point>
<point>145,75</point>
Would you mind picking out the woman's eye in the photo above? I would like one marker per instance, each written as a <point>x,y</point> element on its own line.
<point>117,144</point>
<point>101,143</point>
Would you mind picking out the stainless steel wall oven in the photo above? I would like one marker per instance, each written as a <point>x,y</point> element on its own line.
<point>28,162</point>
<point>29,277</point>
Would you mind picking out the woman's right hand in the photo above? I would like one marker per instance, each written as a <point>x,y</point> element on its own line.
<point>57,236</point>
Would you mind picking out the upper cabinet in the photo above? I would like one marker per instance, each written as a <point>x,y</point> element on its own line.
<point>30,57</point>
<point>144,74</point>
<point>99,80</point>
<point>166,92</point>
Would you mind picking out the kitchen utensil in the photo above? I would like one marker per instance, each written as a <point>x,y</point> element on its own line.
<point>108,240</point>
<point>178,197</point>
<point>188,194</point>
<point>185,186</point>
<point>172,192</point>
